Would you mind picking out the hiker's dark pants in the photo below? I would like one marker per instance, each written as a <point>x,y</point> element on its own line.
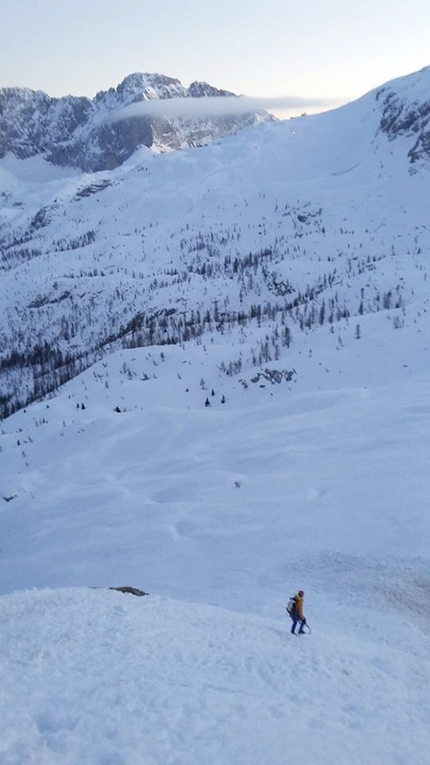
<point>297,620</point>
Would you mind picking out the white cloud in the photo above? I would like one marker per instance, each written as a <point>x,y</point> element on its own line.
<point>218,106</point>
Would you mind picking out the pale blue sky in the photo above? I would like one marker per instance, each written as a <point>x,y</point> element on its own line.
<point>331,49</point>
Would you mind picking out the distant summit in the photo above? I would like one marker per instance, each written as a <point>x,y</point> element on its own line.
<point>74,131</point>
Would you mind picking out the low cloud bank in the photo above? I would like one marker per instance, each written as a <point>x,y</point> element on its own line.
<point>218,106</point>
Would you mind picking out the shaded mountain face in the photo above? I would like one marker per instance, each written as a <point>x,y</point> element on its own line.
<point>406,111</point>
<point>77,132</point>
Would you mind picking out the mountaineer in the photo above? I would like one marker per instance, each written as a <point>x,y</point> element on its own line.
<point>295,610</point>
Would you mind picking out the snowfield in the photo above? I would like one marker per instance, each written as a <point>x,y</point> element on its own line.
<point>225,471</point>
<point>228,510</point>
<point>101,677</point>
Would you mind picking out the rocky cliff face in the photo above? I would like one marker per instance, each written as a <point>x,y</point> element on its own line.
<point>406,111</point>
<point>76,132</point>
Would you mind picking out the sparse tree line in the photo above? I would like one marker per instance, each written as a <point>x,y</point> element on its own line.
<point>62,245</point>
<point>265,296</point>
<point>14,258</point>
<point>51,368</point>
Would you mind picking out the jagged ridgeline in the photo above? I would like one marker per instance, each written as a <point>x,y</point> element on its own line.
<point>279,231</point>
<point>78,132</point>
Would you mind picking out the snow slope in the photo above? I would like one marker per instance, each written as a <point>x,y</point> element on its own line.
<point>100,677</point>
<point>228,510</point>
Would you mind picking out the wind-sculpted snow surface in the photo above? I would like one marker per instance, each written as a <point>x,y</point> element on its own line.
<point>100,677</point>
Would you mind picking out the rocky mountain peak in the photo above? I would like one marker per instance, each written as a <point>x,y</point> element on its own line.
<point>77,132</point>
<point>203,89</point>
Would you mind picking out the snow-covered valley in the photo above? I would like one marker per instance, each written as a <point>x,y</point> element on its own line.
<point>296,255</point>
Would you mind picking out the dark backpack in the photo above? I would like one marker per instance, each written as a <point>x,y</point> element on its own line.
<point>292,607</point>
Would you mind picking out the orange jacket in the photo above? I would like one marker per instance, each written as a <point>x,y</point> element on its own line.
<point>299,606</point>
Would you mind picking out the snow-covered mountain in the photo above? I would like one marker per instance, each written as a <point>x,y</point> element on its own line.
<point>78,132</point>
<point>251,320</point>
<point>289,225</point>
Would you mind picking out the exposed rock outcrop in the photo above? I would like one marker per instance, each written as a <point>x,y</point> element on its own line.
<point>78,132</point>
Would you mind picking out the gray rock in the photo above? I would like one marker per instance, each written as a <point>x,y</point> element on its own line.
<point>77,132</point>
